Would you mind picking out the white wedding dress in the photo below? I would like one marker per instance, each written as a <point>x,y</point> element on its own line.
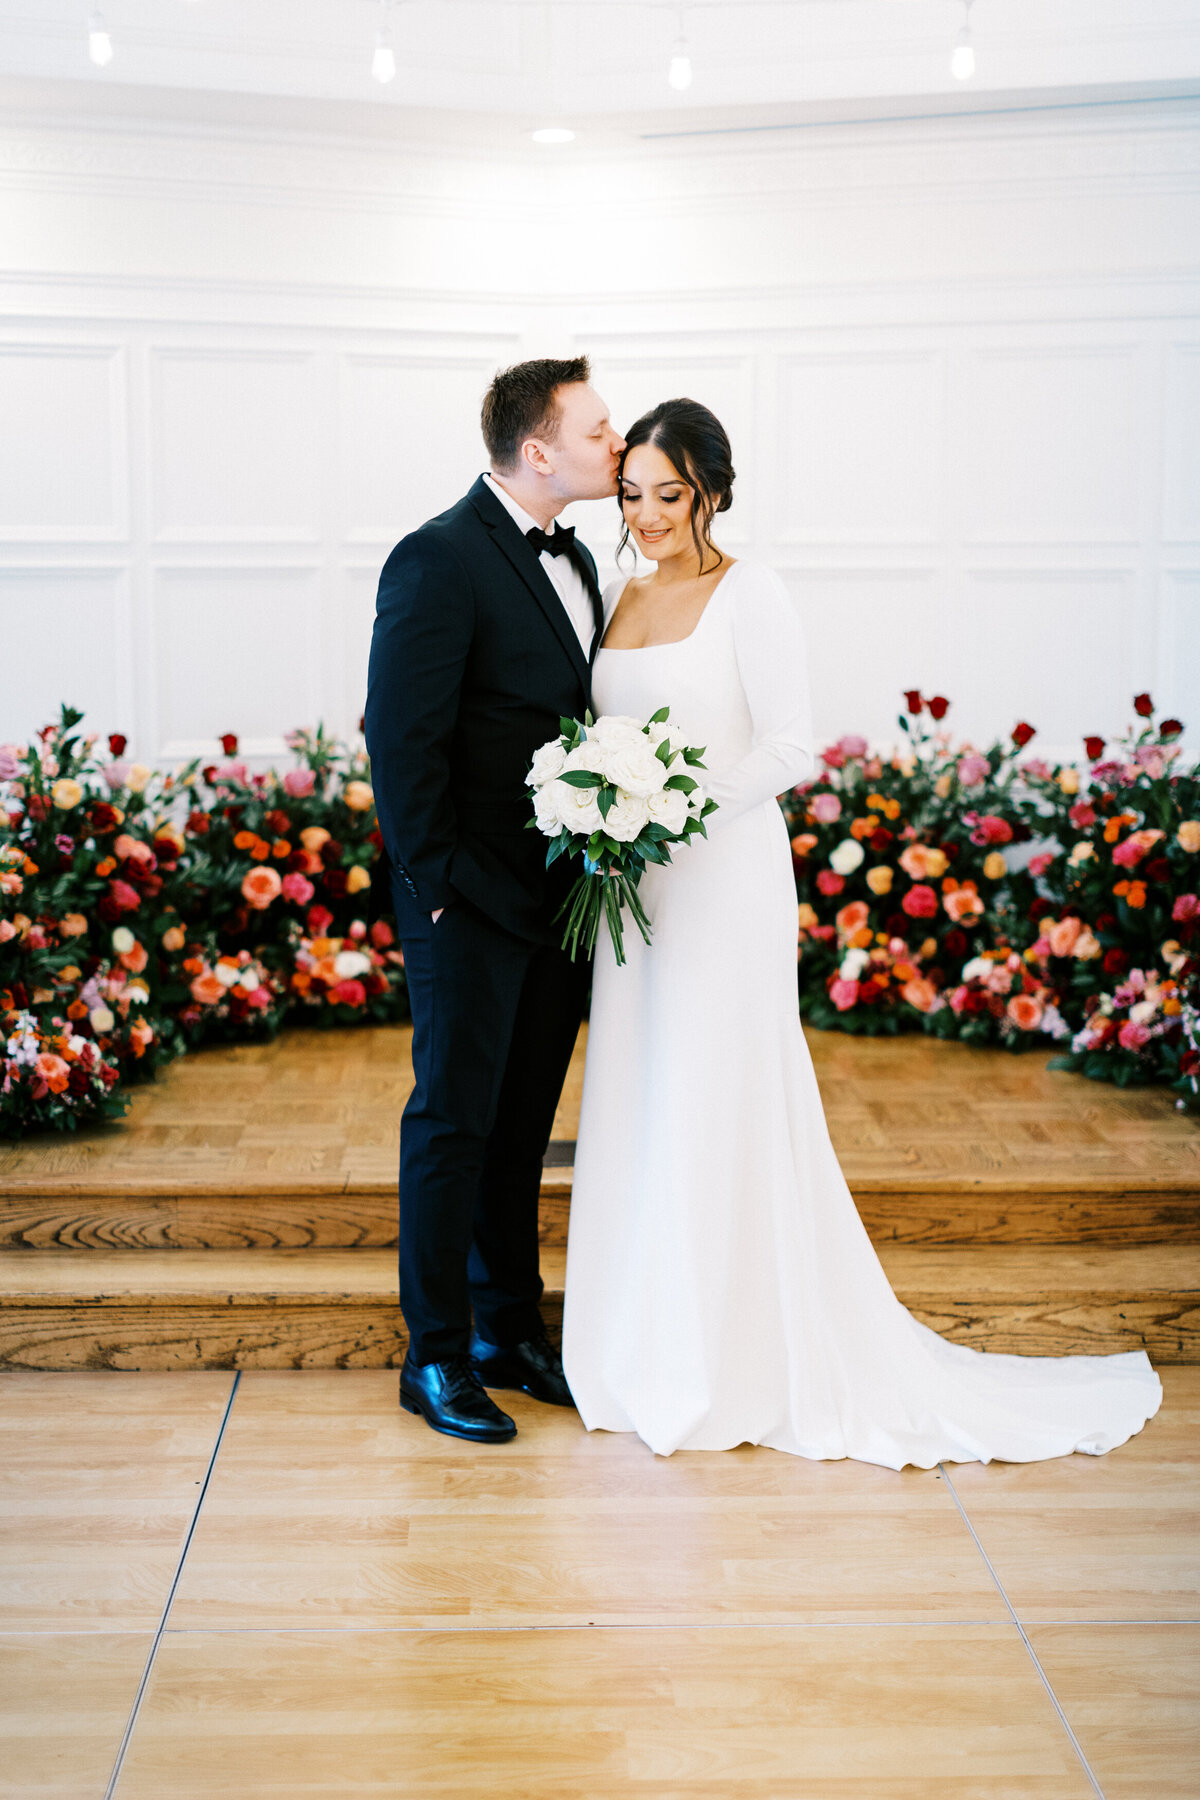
<point>721,1288</point>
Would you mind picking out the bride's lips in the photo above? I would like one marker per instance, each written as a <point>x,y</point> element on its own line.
<point>652,537</point>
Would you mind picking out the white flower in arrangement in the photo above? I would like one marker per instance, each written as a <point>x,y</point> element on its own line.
<point>248,981</point>
<point>137,994</point>
<point>22,1046</point>
<point>123,939</point>
<point>227,973</point>
<point>618,794</point>
<point>847,857</point>
<point>1082,852</point>
<point>548,762</point>
<point>853,964</point>
<point>348,963</point>
<point>101,1019</point>
<point>670,807</point>
<point>978,969</point>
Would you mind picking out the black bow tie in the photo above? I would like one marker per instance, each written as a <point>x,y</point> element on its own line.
<point>559,542</point>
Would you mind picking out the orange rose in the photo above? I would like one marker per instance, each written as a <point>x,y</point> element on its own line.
<point>54,1071</point>
<point>72,925</point>
<point>919,993</point>
<point>105,867</point>
<point>134,960</point>
<point>206,989</point>
<point>260,886</point>
<point>261,850</point>
<point>245,840</point>
<point>852,917</point>
<point>281,848</point>
<point>357,878</point>
<point>1136,897</point>
<point>174,938</point>
<point>964,903</point>
<point>862,828</point>
<point>1025,1012</point>
<point>313,836</point>
<point>1063,937</point>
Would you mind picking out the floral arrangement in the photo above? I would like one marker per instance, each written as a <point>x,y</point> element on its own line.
<point>921,906</point>
<point>146,913</point>
<point>617,794</point>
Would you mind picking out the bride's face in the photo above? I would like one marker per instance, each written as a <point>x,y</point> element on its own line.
<point>657,504</point>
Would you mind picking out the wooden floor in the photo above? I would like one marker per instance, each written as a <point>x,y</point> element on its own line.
<point>280,1584</point>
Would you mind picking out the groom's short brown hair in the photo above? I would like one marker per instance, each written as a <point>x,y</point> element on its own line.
<point>521,404</point>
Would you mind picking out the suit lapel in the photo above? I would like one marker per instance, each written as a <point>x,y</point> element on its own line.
<point>526,563</point>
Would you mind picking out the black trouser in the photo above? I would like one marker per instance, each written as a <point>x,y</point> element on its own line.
<point>494,1023</point>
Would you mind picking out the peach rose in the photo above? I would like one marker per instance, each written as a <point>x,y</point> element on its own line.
<point>806,918</point>
<point>358,796</point>
<point>206,989</point>
<point>174,938</point>
<point>136,959</point>
<point>1062,937</point>
<point>912,861</point>
<point>1025,1012</point>
<point>72,924</point>
<point>963,903</point>
<point>260,886</point>
<point>920,993</point>
<point>1188,836</point>
<point>853,917</point>
<point>357,878</point>
<point>127,846</point>
<point>66,793</point>
<point>994,865</point>
<point>880,879</point>
<point>101,1019</point>
<point>54,1071</point>
<point>935,863</point>
<point>313,836</point>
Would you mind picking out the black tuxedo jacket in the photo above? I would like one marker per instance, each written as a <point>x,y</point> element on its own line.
<point>473,661</point>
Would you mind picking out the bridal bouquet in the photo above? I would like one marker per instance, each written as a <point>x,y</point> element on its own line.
<point>618,794</point>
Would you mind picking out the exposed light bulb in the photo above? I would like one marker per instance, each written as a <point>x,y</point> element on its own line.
<point>383,63</point>
<point>679,69</point>
<point>100,47</point>
<point>553,134</point>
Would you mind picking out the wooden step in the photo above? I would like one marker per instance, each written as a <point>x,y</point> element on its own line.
<point>337,1308</point>
<point>110,1214</point>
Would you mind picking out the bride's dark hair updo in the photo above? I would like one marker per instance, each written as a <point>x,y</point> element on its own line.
<point>693,441</point>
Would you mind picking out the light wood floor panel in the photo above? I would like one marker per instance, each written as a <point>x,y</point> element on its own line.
<point>956,1714</point>
<point>64,1703</point>
<point>1132,1695</point>
<point>1107,1537</point>
<point>329,1505</point>
<point>99,1479</point>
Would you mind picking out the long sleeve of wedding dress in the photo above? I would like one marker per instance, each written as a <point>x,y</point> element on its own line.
<point>772,664</point>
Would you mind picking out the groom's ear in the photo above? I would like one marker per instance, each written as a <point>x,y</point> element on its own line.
<point>534,454</point>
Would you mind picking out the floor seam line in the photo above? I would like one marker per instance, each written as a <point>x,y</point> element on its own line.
<point>135,1709</point>
<point>1024,1636</point>
<point>514,1630</point>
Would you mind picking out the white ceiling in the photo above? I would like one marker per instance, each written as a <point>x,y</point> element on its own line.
<point>597,65</point>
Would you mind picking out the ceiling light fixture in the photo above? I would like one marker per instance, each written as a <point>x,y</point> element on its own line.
<point>100,47</point>
<point>962,63</point>
<point>679,69</point>
<point>553,134</point>
<point>383,62</point>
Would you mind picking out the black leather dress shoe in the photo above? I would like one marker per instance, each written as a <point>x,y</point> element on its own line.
<point>450,1397</point>
<point>534,1366</point>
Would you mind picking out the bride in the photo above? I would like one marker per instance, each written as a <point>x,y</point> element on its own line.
<point>721,1288</point>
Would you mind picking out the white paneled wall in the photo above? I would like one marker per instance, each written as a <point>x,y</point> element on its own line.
<point>983,483</point>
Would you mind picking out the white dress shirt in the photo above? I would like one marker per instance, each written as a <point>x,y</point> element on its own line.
<point>568,582</point>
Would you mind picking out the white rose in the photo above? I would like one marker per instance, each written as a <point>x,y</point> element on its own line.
<point>584,756</point>
<point>101,1019</point>
<point>123,939</point>
<point>626,817</point>
<point>577,808</point>
<point>669,808</point>
<point>853,964</point>
<point>547,763</point>
<point>616,728</point>
<point>697,797</point>
<point>634,767</point>
<point>1143,1012</point>
<point>248,981</point>
<point>547,810</point>
<point>1081,853</point>
<point>138,995</point>
<point>348,963</point>
<point>978,969</point>
<point>227,973</point>
<point>847,857</point>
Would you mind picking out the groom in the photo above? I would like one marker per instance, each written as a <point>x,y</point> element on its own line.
<point>486,623</point>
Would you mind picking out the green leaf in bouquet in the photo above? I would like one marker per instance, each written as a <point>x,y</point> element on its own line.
<point>568,727</point>
<point>558,846</point>
<point>581,778</point>
<point>587,717</point>
<point>660,717</point>
<point>654,833</point>
<point>606,799</point>
<point>665,754</point>
<point>694,757</point>
<point>684,783</point>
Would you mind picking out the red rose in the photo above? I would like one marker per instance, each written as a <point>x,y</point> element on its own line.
<point>870,990</point>
<point>198,823</point>
<point>335,882</point>
<point>880,838</point>
<point>278,822</point>
<point>108,1075</point>
<point>349,993</point>
<point>116,744</point>
<point>382,934</point>
<point>1115,962</point>
<point>920,902</point>
<point>939,706</point>
<point>229,743</point>
<point>1170,728</point>
<point>1143,705</point>
<point>77,1080</point>
<point>1023,733</point>
<point>362,724</point>
<point>37,807</point>
<point>830,882</point>
<point>1189,1062</point>
<point>1039,908</point>
<point>912,699</point>
<point>331,852</point>
<point>1106,921</point>
<point>209,771</point>
<point>319,920</point>
<point>1158,870</point>
<point>956,942</point>
<point>1094,747</point>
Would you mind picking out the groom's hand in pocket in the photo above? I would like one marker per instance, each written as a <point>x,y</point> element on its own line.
<point>435,916</point>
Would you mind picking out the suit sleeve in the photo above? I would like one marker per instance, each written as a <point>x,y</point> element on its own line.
<point>773,666</point>
<point>424,620</point>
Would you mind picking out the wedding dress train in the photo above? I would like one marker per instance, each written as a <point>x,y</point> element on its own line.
<point>721,1288</point>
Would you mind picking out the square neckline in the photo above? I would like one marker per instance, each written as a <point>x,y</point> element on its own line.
<point>668,643</point>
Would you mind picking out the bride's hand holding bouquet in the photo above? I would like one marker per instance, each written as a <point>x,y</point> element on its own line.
<point>617,794</point>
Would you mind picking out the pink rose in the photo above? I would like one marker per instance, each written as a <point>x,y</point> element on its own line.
<point>1064,936</point>
<point>826,808</point>
<point>126,897</point>
<point>298,888</point>
<point>1082,814</point>
<point>1131,1036</point>
<point>349,993</point>
<point>1041,862</point>
<point>852,745</point>
<point>973,769</point>
<point>844,994</point>
<point>829,882</point>
<point>834,757</point>
<point>10,768</point>
<point>319,920</point>
<point>1185,908</point>
<point>298,782</point>
<point>382,934</point>
<point>115,773</point>
<point>920,902</point>
<point>1037,769</point>
<point>1129,854</point>
<point>988,829</point>
<point>958,999</point>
